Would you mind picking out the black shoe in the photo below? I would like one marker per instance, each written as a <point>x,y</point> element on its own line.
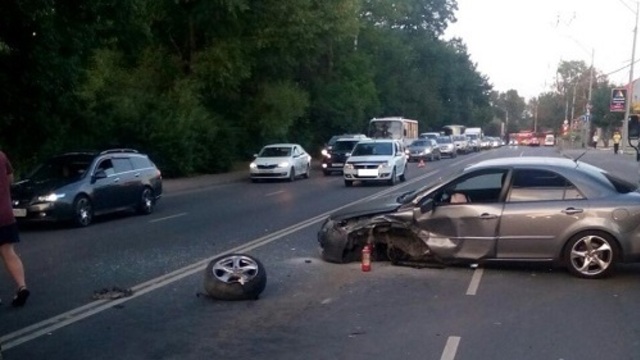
<point>21,297</point>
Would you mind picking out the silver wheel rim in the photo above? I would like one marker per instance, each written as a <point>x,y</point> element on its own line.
<point>591,255</point>
<point>147,201</point>
<point>236,268</point>
<point>84,212</point>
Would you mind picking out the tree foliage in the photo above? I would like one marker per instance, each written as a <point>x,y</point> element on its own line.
<point>200,85</point>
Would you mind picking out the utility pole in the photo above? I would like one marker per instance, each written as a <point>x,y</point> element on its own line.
<point>587,124</point>
<point>627,111</point>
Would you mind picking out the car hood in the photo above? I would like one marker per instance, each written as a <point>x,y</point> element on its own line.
<point>271,160</point>
<point>375,206</point>
<point>27,189</point>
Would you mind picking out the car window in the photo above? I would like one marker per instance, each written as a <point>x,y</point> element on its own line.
<point>541,185</point>
<point>121,165</point>
<point>364,149</point>
<point>482,186</point>
<point>140,162</point>
<point>344,145</point>
<point>107,166</point>
<point>275,152</point>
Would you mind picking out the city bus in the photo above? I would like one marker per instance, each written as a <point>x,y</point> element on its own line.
<point>397,128</point>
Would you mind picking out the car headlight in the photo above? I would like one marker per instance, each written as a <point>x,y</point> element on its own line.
<point>283,164</point>
<point>385,165</point>
<point>328,156</point>
<point>348,166</point>
<point>324,152</point>
<point>253,166</point>
<point>53,197</point>
<point>427,151</point>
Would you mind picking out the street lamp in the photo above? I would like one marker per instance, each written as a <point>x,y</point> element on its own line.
<point>627,110</point>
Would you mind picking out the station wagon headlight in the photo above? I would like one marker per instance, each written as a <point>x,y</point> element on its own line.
<point>324,152</point>
<point>284,164</point>
<point>53,197</point>
<point>328,156</point>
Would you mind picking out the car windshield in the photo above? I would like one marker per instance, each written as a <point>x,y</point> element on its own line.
<point>345,145</point>
<point>68,167</point>
<point>275,151</point>
<point>443,140</point>
<point>420,143</point>
<point>364,149</point>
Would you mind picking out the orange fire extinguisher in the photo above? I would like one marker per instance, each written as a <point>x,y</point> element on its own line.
<point>366,258</point>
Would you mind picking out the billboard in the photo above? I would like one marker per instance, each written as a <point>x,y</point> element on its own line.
<point>618,100</point>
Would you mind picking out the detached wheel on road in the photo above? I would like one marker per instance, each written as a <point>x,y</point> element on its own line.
<point>235,277</point>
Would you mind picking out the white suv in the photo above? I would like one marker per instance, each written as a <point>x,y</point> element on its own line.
<point>376,160</point>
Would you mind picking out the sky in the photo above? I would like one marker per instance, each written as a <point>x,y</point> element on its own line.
<point>518,44</point>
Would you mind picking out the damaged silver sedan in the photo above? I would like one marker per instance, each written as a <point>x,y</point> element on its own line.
<point>556,210</point>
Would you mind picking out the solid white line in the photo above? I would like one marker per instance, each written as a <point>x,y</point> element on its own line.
<point>168,217</point>
<point>450,349</point>
<point>274,193</point>
<point>475,281</point>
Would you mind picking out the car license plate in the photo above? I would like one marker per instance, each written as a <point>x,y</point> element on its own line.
<point>19,212</point>
<point>368,172</point>
<point>337,165</point>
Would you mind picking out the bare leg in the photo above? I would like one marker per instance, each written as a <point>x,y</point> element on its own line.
<point>13,264</point>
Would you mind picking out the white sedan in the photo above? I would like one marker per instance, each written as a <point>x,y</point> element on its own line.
<point>280,161</point>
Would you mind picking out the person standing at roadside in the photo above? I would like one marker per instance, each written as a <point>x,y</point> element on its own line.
<point>9,233</point>
<point>595,140</point>
<point>616,141</point>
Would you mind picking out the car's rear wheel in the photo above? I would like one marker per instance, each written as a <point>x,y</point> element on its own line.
<point>82,211</point>
<point>591,255</point>
<point>235,277</point>
<point>147,201</point>
<point>292,174</point>
<point>308,172</point>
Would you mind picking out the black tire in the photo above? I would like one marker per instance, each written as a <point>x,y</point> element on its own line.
<point>308,172</point>
<point>292,175</point>
<point>235,277</point>
<point>392,180</point>
<point>147,202</point>
<point>348,183</point>
<point>591,255</point>
<point>403,177</point>
<point>82,211</point>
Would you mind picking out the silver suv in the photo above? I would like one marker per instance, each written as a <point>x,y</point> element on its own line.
<point>376,160</point>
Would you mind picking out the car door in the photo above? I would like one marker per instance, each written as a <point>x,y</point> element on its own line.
<point>105,189</point>
<point>465,230</point>
<point>297,160</point>
<point>130,181</point>
<point>400,157</point>
<point>541,206</point>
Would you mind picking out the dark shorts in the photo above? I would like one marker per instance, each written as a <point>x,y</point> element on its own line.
<point>9,234</point>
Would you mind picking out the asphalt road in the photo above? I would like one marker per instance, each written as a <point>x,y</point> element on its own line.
<point>310,309</point>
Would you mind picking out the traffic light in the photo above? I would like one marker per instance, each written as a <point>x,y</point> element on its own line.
<point>633,127</point>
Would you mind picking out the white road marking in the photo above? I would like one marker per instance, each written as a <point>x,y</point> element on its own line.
<point>167,217</point>
<point>450,349</point>
<point>274,193</point>
<point>47,326</point>
<point>475,281</point>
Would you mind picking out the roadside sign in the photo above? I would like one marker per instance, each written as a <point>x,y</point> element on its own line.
<point>618,100</point>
